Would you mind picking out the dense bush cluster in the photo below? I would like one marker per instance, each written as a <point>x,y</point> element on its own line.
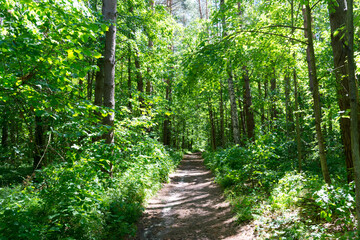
<point>280,202</point>
<point>78,199</point>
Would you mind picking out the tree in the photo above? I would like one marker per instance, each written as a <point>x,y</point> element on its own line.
<point>315,93</point>
<point>109,13</point>
<point>354,104</point>
<point>337,15</point>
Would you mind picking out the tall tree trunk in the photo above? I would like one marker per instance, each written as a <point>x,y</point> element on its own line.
<point>109,13</point>
<point>288,112</point>
<point>150,46</point>
<point>99,84</point>
<point>297,120</point>
<point>250,122</point>
<point>234,112</point>
<point>337,15</point>
<point>167,121</point>
<point>307,22</point>
<point>200,11</point>
<point>206,10</point>
<point>273,96</point>
<point>99,91</point>
<point>242,116</point>
<point>129,83</point>
<point>316,96</point>
<point>212,126</point>
<point>139,79</point>
<point>262,109</point>
<point>354,104</point>
<point>221,110</point>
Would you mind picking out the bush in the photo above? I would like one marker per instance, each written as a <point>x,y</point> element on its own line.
<point>262,186</point>
<point>77,198</point>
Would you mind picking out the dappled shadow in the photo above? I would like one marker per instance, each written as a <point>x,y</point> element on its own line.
<point>191,206</point>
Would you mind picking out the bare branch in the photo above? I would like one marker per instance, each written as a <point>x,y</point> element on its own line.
<point>315,4</point>
<point>283,26</point>
<point>270,33</point>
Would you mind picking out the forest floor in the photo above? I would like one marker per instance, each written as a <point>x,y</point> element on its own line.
<point>191,206</point>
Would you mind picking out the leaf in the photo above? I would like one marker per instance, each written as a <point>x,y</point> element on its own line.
<point>71,55</point>
<point>97,55</point>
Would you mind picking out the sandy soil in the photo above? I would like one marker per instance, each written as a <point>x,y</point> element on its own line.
<point>191,206</point>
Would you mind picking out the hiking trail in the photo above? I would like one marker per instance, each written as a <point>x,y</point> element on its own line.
<point>191,206</point>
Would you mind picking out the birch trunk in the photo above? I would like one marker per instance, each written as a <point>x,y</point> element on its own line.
<point>109,13</point>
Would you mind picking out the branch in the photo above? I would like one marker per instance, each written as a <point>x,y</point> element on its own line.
<point>273,34</point>
<point>315,4</point>
<point>283,26</point>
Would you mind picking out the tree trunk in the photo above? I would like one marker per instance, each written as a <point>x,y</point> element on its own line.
<point>354,104</point>
<point>242,117</point>
<point>337,15</point>
<point>288,112</point>
<point>207,9</point>
<point>129,79</point>
<point>221,110</point>
<point>234,112</point>
<point>139,79</point>
<point>99,84</point>
<point>297,120</point>
<point>109,13</point>
<point>212,126</point>
<point>307,22</point>
<point>167,121</point>
<point>273,97</point>
<point>200,11</point>
<point>250,122</point>
<point>262,109</point>
<point>316,97</point>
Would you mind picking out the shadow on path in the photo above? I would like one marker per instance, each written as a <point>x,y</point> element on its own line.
<point>191,206</point>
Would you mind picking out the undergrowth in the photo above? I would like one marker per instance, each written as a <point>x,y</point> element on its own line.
<point>78,199</point>
<point>264,189</point>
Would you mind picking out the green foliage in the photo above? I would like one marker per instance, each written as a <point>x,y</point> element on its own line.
<point>281,203</point>
<point>77,199</point>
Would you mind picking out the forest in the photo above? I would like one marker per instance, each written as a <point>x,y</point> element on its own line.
<point>100,100</point>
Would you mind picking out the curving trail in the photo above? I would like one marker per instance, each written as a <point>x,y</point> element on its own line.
<point>191,206</point>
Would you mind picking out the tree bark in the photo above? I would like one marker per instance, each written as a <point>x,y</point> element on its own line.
<point>99,84</point>
<point>129,83</point>
<point>354,104</point>
<point>262,109</point>
<point>337,15</point>
<point>221,110</point>
<point>250,122</point>
<point>109,13</point>
<point>273,97</point>
<point>200,11</point>
<point>316,97</point>
<point>297,122</point>
<point>139,79</point>
<point>234,112</point>
<point>212,126</point>
<point>288,110</point>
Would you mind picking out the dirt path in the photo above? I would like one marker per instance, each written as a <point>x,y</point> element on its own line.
<point>191,206</point>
